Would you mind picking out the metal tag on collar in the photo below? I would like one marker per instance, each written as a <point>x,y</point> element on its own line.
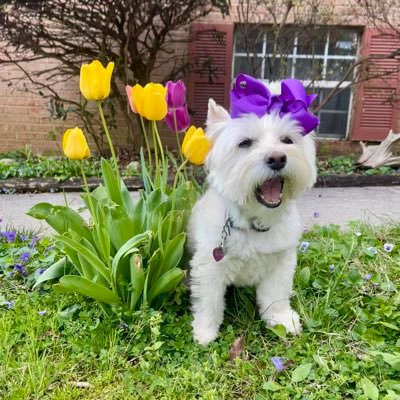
<point>220,251</point>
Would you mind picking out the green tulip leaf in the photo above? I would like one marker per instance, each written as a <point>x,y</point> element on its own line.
<point>61,219</point>
<point>166,283</point>
<point>74,283</point>
<point>172,253</point>
<point>111,182</point>
<point>54,271</point>
<point>90,256</point>
<point>137,279</point>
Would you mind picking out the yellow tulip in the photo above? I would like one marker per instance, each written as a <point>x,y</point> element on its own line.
<point>74,144</point>
<point>196,145</point>
<point>150,101</point>
<point>95,80</point>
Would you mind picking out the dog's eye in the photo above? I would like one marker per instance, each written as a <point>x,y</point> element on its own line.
<point>287,140</point>
<point>246,143</point>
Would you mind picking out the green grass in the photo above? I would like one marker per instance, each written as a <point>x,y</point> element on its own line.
<point>347,296</point>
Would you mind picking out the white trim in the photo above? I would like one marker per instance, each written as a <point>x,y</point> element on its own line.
<point>305,56</point>
<point>323,84</point>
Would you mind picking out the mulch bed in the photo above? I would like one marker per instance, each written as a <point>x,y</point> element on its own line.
<point>39,185</point>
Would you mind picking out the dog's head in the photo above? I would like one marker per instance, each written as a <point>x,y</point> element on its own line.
<point>265,160</point>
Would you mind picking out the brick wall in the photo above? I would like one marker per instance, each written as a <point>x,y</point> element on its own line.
<point>24,119</point>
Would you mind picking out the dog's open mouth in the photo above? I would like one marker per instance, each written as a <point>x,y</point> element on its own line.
<point>269,193</point>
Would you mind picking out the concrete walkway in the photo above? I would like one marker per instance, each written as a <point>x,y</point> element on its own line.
<point>375,205</point>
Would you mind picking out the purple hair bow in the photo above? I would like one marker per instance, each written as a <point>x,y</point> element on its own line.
<point>250,96</point>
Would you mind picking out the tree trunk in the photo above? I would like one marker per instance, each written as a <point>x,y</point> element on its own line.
<point>375,156</point>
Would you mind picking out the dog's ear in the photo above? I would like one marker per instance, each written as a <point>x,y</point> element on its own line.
<point>216,113</point>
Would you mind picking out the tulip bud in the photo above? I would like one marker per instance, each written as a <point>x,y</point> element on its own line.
<point>95,80</point>
<point>149,101</point>
<point>176,93</point>
<point>182,119</point>
<point>196,145</point>
<point>74,144</point>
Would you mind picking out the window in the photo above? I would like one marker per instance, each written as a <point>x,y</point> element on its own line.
<point>318,57</point>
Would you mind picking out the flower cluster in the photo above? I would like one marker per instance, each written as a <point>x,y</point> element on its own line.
<point>153,101</point>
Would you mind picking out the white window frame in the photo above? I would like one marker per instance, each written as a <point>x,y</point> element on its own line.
<point>323,84</point>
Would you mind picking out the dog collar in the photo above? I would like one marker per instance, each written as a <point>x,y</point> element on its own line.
<point>220,251</point>
<point>252,226</point>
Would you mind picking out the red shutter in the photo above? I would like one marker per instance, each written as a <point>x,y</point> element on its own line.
<point>375,112</point>
<point>210,58</point>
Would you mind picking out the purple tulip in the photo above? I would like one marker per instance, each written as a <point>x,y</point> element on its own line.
<point>176,93</point>
<point>182,119</point>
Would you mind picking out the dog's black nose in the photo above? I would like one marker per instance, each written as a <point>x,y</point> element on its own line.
<point>276,160</point>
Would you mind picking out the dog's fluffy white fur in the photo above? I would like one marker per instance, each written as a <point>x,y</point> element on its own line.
<point>266,260</point>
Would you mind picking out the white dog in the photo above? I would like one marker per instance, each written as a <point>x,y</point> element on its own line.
<point>245,230</point>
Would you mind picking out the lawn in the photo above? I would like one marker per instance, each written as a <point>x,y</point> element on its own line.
<point>59,346</point>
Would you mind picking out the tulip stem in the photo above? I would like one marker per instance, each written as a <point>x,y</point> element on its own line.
<point>179,142</point>
<point>159,145</point>
<point>103,120</point>
<point>182,166</point>
<point>146,139</point>
<point>85,184</point>
<point>155,148</point>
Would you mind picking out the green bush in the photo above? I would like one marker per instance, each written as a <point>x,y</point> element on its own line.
<point>131,255</point>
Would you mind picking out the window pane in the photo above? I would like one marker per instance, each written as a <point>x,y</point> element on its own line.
<point>308,69</point>
<point>281,68</point>
<point>285,44</point>
<point>249,41</point>
<point>311,43</point>
<point>342,43</point>
<point>333,124</point>
<point>339,102</point>
<point>248,65</point>
<point>336,69</point>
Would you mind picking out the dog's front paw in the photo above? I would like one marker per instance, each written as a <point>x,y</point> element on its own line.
<point>203,333</point>
<point>288,318</point>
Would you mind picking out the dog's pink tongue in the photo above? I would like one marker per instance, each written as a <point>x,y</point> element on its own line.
<point>271,190</point>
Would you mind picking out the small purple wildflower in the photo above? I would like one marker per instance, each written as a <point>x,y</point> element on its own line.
<point>9,304</point>
<point>278,363</point>
<point>24,238</point>
<point>331,268</point>
<point>25,256</point>
<point>316,214</point>
<point>41,270</point>
<point>41,313</point>
<point>21,269</point>
<point>10,236</point>
<point>388,247</point>
<point>367,277</point>
<point>375,284</point>
<point>33,242</point>
<point>304,246</point>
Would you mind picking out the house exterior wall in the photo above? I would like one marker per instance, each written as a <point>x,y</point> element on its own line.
<point>372,112</point>
<point>24,118</point>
